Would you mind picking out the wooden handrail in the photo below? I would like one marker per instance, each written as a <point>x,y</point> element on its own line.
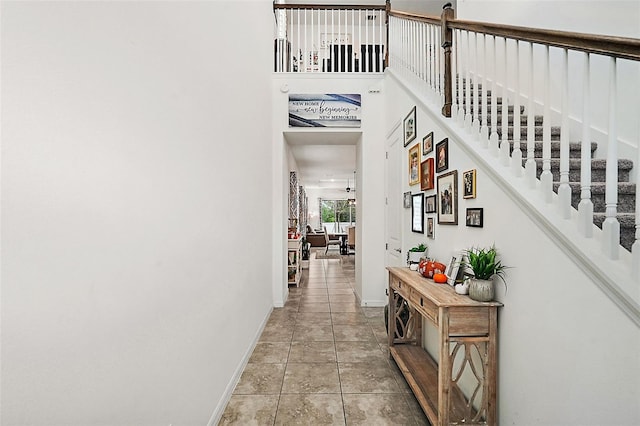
<point>330,6</point>
<point>620,47</point>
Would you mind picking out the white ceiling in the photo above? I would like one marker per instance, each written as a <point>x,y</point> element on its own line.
<point>326,160</point>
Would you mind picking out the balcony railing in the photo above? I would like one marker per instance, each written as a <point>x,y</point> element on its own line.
<point>327,39</point>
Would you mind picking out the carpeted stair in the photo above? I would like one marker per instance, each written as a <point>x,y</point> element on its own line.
<point>626,190</point>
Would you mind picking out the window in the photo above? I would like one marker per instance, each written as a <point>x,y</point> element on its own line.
<point>337,215</point>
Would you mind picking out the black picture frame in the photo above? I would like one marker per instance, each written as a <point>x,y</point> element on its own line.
<point>475,217</point>
<point>469,184</point>
<point>407,200</point>
<point>409,127</point>
<point>417,215</point>
<point>448,198</point>
<point>430,203</point>
<point>442,155</point>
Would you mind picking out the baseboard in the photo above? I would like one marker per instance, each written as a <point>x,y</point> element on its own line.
<point>226,396</point>
<point>373,303</point>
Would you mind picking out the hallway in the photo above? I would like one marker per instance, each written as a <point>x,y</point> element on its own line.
<point>322,359</point>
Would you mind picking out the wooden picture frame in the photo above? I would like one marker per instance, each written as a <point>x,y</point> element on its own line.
<point>469,184</point>
<point>407,200</point>
<point>442,155</point>
<point>430,204</point>
<point>448,198</point>
<point>431,228</point>
<point>475,217</point>
<point>409,126</point>
<point>426,175</point>
<point>417,215</point>
<point>427,144</point>
<point>414,165</point>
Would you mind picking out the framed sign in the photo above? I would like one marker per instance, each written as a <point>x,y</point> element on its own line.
<point>417,215</point>
<point>325,110</point>
<point>448,198</point>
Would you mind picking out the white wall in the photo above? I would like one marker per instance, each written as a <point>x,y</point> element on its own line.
<point>125,144</point>
<point>370,182</point>
<point>567,354</point>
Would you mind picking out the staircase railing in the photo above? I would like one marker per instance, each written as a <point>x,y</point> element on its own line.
<point>509,87</point>
<point>330,38</point>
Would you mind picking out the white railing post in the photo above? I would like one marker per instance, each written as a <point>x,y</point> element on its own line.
<point>467,84</point>
<point>493,137</point>
<point>516,155</point>
<point>564,190</point>
<point>484,128</point>
<point>611,226</point>
<point>475,124</point>
<point>546,177</point>
<point>585,207</point>
<point>459,86</point>
<point>454,74</point>
<point>504,140</point>
<point>530,165</point>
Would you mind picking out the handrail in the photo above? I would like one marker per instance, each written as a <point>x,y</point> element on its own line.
<point>330,6</point>
<point>621,47</point>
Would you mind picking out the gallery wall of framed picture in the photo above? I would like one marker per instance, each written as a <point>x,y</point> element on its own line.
<point>438,201</point>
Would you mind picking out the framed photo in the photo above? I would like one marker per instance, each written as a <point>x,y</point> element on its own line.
<point>417,215</point>
<point>407,200</point>
<point>442,155</point>
<point>475,217</point>
<point>469,184</point>
<point>448,198</point>
<point>409,126</point>
<point>427,144</point>
<point>453,268</point>
<point>414,164</point>
<point>430,228</point>
<point>426,174</point>
<point>430,204</point>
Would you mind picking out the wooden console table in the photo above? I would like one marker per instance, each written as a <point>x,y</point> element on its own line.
<point>467,333</point>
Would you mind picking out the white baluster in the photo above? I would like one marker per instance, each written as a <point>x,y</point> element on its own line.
<point>484,128</point>
<point>454,74</point>
<point>546,177</point>
<point>585,207</point>
<point>530,165</point>
<point>459,114</point>
<point>564,190</point>
<point>516,155</point>
<point>475,123</point>
<point>493,137</point>
<point>467,83</point>
<point>504,141</point>
<point>611,226</point>
<point>299,43</point>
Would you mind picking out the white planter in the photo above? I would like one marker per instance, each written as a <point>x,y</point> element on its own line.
<point>415,256</point>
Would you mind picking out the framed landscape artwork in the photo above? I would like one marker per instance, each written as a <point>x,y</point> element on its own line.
<point>448,198</point>
<point>426,174</point>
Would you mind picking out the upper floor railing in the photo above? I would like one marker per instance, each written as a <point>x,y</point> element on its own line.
<point>330,38</point>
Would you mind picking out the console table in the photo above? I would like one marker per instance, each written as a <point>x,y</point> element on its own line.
<point>467,333</point>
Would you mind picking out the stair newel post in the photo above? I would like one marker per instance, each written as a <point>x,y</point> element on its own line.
<point>530,165</point>
<point>546,177</point>
<point>585,207</point>
<point>475,124</point>
<point>493,138</point>
<point>504,142</point>
<point>516,155</point>
<point>484,129</point>
<point>447,43</point>
<point>611,226</point>
<point>564,190</point>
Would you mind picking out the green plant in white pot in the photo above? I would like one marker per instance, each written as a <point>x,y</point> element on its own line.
<point>416,253</point>
<point>485,267</point>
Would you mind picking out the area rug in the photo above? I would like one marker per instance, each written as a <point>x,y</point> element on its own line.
<point>331,255</point>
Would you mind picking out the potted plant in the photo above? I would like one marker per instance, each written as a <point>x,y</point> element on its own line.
<point>416,253</point>
<point>485,267</point>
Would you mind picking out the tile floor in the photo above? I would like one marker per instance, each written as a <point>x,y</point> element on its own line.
<point>323,360</point>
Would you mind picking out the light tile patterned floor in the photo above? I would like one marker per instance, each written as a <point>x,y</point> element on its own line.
<point>323,360</point>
